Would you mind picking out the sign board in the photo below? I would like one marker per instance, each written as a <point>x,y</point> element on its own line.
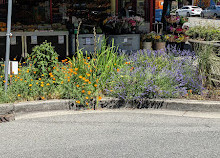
<point>60,39</point>
<point>88,41</point>
<point>33,39</point>
<point>13,40</point>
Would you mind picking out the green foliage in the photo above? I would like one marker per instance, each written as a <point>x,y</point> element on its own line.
<point>206,33</point>
<point>44,58</point>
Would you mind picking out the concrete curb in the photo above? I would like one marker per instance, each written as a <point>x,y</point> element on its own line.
<point>36,106</point>
<point>168,104</point>
<point>8,110</point>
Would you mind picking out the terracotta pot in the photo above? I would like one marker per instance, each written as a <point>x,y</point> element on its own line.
<point>160,45</point>
<point>147,45</point>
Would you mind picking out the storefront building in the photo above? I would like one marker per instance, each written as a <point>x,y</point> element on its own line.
<point>34,21</point>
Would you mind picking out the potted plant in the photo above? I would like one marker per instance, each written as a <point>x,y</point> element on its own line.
<point>160,42</point>
<point>147,40</point>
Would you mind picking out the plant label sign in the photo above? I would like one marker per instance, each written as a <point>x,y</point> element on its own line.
<point>88,41</point>
<point>125,40</point>
<point>33,39</point>
<point>60,39</point>
<point>13,40</point>
<point>13,67</point>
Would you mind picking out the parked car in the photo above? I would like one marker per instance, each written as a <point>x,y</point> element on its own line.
<point>212,11</point>
<point>189,11</point>
<point>158,14</point>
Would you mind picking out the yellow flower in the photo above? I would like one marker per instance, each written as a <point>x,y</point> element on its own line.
<point>87,97</point>
<point>4,81</point>
<point>42,75</point>
<point>50,73</point>
<point>53,81</point>
<point>39,79</point>
<point>89,92</point>
<point>80,77</point>
<point>62,82</point>
<point>27,70</point>
<point>18,77</point>
<point>42,82</point>
<point>42,85</point>
<point>86,80</point>
<point>1,76</point>
<point>68,80</point>
<point>47,84</point>
<point>19,95</point>
<point>36,82</point>
<point>88,75</point>
<point>19,73</point>
<point>30,85</point>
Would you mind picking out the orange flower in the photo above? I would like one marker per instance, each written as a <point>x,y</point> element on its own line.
<point>126,62</point>
<point>35,72</point>
<point>47,84</point>
<point>11,76</point>
<point>39,79</point>
<point>91,70</point>
<point>36,82</point>
<point>88,75</point>
<point>87,103</point>
<point>97,80</point>
<point>99,98</point>
<point>15,79</point>
<point>190,91</point>
<point>4,81</point>
<point>30,85</point>
<point>62,82</point>
<point>86,80</point>
<point>14,58</point>
<point>78,102</point>
<point>76,69</point>
<point>95,85</point>
<point>68,80</point>
<point>80,77</point>
<point>54,67</point>
<point>88,58</point>
<point>42,75</point>
<point>42,98</point>
<point>27,70</point>
<point>21,79</point>
<point>89,92</point>
<point>42,85</point>
<point>50,73</point>
<point>56,57</point>
<point>83,91</point>
<point>77,85</point>
<point>118,70</point>
<point>19,73</point>
<point>54,79</point>
<point>31,79</point>
<point>87,97</point>
<point>90,82</point>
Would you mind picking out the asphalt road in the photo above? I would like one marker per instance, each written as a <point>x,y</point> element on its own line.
<point>111,134</point>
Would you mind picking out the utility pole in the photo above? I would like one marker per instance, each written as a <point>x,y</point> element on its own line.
<point>8,43</point>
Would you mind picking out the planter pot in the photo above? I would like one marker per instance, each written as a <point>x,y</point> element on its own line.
<point>160,45</point>
<point>147,45</point>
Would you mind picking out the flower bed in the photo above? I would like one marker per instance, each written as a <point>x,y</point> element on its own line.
<point>149,74</point>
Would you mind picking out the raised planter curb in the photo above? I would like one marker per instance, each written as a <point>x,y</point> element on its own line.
<point>169,104</point>
<point>48,105</point>
<point>8,111</point>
